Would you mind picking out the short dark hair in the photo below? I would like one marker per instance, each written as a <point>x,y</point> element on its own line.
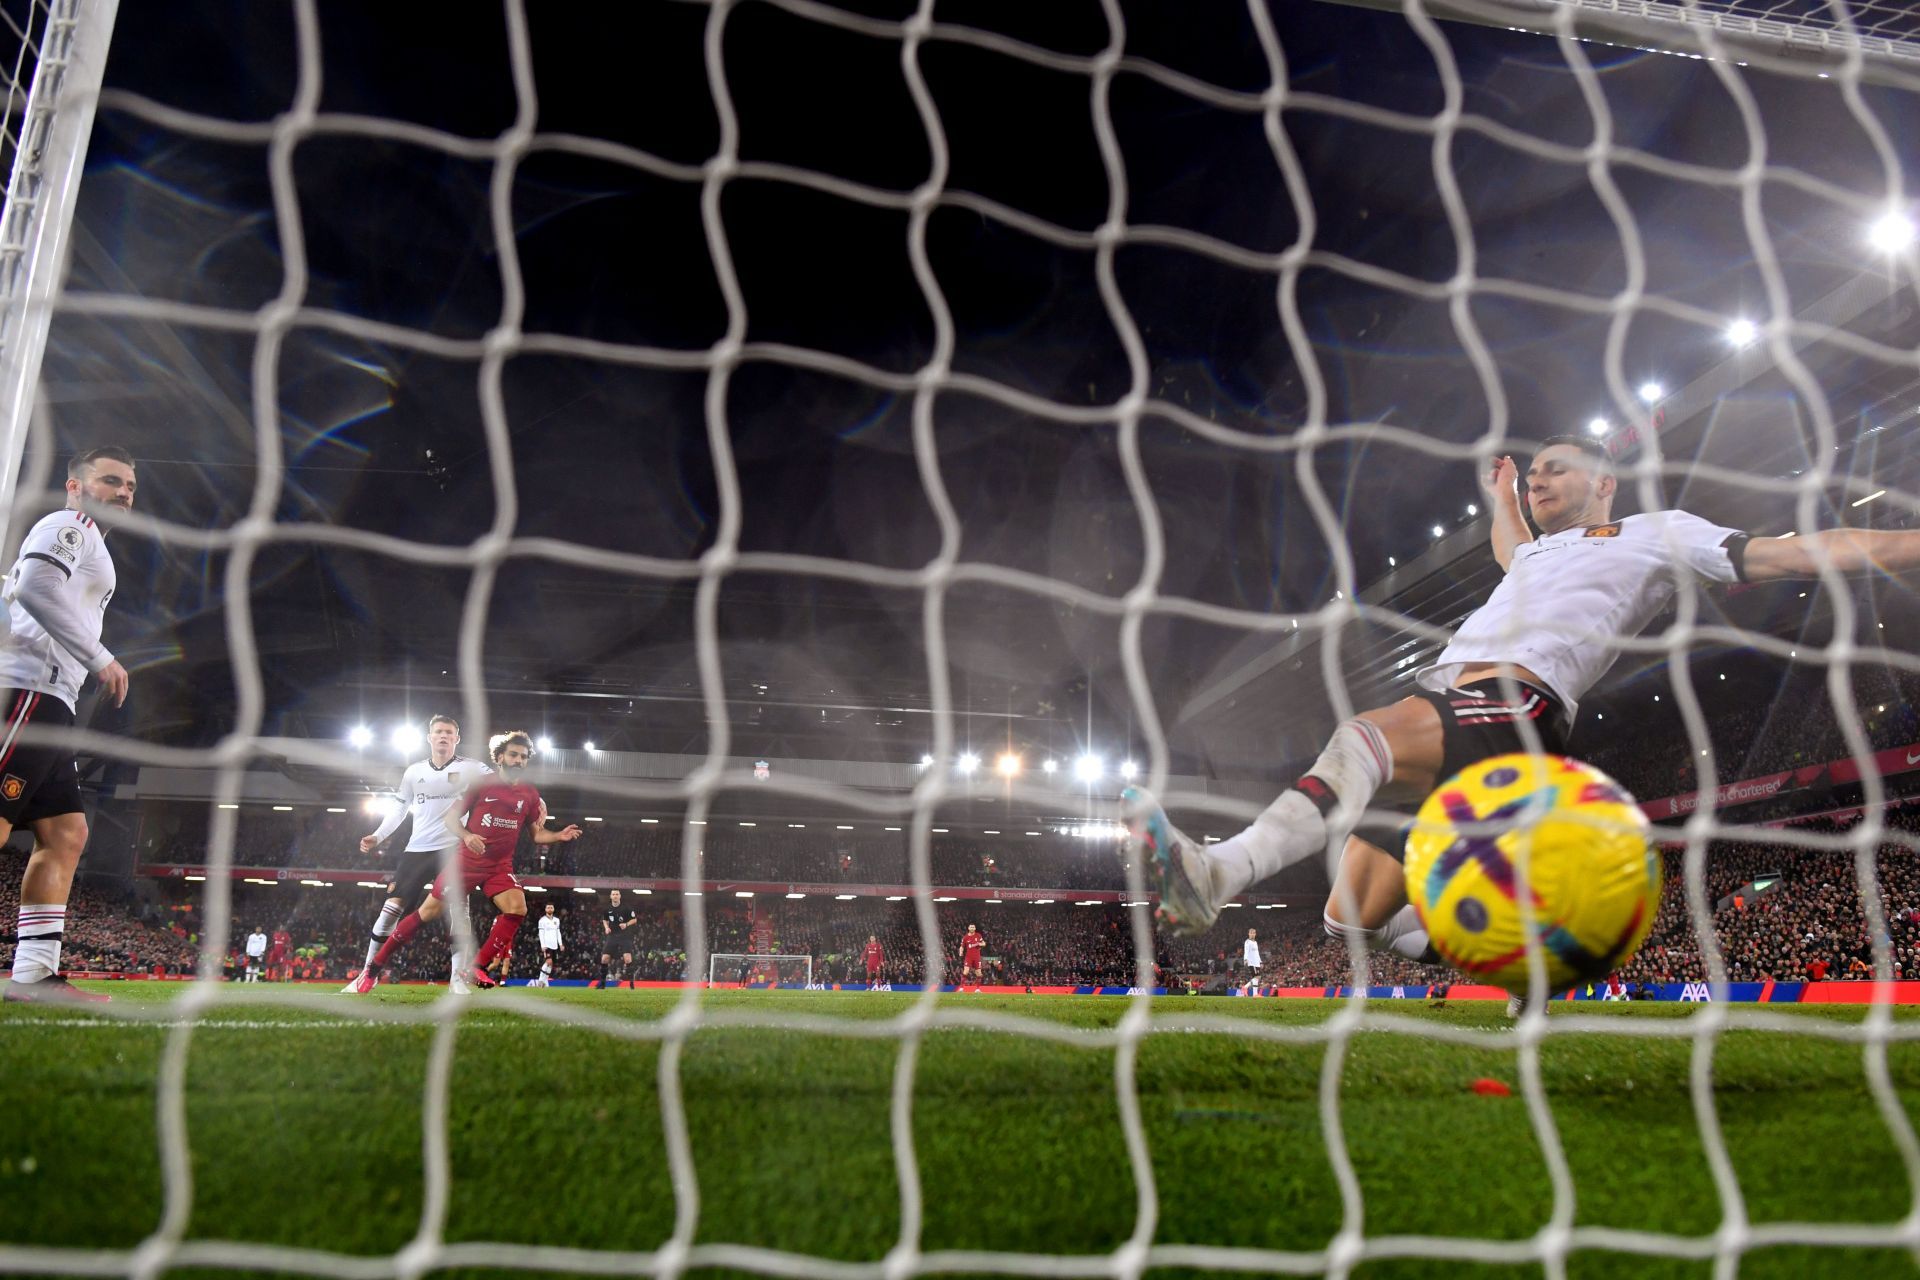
<point>434,720</point>
<point>83,461</point>
<point>1585,444</point>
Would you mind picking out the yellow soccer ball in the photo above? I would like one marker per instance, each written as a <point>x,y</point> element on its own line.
<point>1593,875</point>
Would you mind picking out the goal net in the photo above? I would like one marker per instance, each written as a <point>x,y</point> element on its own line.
<point>915,421</point>
<point>725,969</point>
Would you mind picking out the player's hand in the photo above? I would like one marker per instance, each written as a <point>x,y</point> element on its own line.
<point>114,680</point>
<point>570,833</point>
<point>473,843</point>
<point>1502,479</point>
<point>369,843</point>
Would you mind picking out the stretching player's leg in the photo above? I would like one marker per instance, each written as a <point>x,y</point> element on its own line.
<point>1395,751</point>
<point>1369,901</point>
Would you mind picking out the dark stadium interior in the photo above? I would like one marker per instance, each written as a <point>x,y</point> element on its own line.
<point>614,450</point>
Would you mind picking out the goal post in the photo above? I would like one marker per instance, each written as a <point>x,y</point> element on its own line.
<point>749,969</point>
<point>68,53</point>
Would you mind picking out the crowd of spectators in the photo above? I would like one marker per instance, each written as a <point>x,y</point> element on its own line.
<point>1808,923</point>
<point>1793,729</point>
<point>178,834</point>
<point>106,930</point>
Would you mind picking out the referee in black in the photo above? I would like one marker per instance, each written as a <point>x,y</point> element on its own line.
<point>617,924</point>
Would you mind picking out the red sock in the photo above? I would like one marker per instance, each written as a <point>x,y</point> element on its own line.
<point>499,939</point>
<point>408,926</point>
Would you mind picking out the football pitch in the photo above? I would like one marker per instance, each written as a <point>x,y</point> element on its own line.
<point>305,1130</point>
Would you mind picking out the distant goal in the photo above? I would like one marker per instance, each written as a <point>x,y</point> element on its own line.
<point>725,970</point>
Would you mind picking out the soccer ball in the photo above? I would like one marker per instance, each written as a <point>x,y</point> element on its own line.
<point>1593,877</point>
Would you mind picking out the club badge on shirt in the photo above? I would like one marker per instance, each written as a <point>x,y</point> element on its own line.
<point>1603,531</point>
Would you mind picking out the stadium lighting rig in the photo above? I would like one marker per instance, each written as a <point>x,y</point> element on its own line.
<point>406,739</point>
<point>968,764</point>
<point>1652,392</point>
<point>1008,766</point>
<point>1743,332</point>
<point>360,736</point>
<point>1087,768</point>
<point>1598,427</point>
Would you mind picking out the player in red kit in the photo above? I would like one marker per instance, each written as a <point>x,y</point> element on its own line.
<point>279,954</point>
<point>972,943</point>
<point>875,957</point>
<point>497,811</point>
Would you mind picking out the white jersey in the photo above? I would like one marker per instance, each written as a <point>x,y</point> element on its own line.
<point>30,658</point>
<point>1567,596</point>
<point>1250,954</point>
<point>550,933</point>
<point>430,795</point>
<point>256,945</point>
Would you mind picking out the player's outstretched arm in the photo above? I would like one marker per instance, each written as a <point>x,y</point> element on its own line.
<point>543,836</point>
<point>1500,483</point>
<point>1845,550</point>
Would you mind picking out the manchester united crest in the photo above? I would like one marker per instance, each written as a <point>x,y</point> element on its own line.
<point>12,788</point>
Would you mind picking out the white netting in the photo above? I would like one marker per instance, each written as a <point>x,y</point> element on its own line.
<point>1783,328</point>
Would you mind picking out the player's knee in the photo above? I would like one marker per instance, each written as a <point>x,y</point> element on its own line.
<point>64,842</point>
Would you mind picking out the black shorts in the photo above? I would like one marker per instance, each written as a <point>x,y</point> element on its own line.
<point>38,779</point>
<point>418,869</point>
<point>1477,722</point>
<point>617,944</point>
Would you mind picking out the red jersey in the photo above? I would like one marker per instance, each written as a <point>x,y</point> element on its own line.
<point>970,947</point>
<point>873,955</point>
<point>497,812</point>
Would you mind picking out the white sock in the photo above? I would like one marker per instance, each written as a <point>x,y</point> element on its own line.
<point>36,957</point>
<point>382,926</point>
<point>1355,765</point>
<point>1402,934</point>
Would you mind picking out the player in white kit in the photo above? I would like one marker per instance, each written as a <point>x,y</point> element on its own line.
<point>256,954</point>
<point>1525,657</point>
<point>430,789</point>
<point>55,598</point>
<point>549,946</point>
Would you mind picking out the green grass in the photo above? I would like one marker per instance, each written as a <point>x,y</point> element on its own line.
<point>308,1132</point>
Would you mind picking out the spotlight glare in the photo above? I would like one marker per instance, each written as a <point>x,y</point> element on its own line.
<point>360,736</point>
<point>1008,765</point>
<point>1438,532</point>
<point>968,763</point>
<point>1049,766</point>
<point>405,738</point>
<point>1743,332</point>
<point>926,762</point>
<point>544,744</point>
<point>1128,769</point>
<point>1598,427</point>
<point>1087,768</point>
<point>1892,232</point>
<point>1652,392</point>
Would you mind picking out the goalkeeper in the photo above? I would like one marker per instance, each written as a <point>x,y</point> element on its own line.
<point>1524,658</point>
